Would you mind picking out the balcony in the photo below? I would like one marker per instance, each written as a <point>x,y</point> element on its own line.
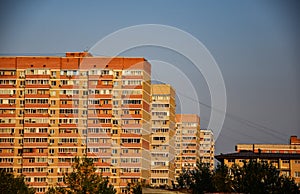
<point>35,144</point>
<point>133,106</point>
<point>36,124</point>
<point>11,105</point>
<point>8,115</point>
<point>46,105</point>
<point>29,164</point>
<point>37,95</point>
<point>38,76</point>
<point>43,86</point>
<point>131,145</point>
<point>35,134</point>
<point>99,115</point>
<point>132,87</point>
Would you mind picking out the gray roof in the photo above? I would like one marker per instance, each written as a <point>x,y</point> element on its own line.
<point>252,155</point>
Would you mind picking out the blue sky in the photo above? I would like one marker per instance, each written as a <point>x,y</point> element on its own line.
<point>255,43</point>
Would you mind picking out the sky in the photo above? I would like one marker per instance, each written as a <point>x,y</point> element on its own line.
<point>255,44</point>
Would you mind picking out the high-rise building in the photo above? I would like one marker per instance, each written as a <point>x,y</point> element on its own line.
<point>55,108</point>
<point>207,148</point>
<point>187,144</point>
<point>162,137</point>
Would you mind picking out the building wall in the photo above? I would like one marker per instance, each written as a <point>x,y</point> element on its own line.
<point>187,143</point>
<point>287,166</point>
<point>292,148</point>
<point>55,108</point>
<point>162,138</point>
<point>207,148</point>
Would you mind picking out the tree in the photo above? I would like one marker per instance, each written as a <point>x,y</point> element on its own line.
<point>11,184</point>
<point>185,179</point>
<point>198,180</point>
<point>260,177</point>
<point>253,177</point>
<point>135,188</point>
<point>202,179</point>
<point>221,179</point>
<point>83,180</point>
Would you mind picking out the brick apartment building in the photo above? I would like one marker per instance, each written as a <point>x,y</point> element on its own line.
<point>163,135</point>
<point>187,144</point>
<point>207,148</point>
<point>55,108</point>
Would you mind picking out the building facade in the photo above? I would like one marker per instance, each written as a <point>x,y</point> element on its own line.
<point>285,157</point>
<point>207,148</point>
<point>293,147</point>
<point>55,108</point>
<point>187,142</point>
<point>163,135</point>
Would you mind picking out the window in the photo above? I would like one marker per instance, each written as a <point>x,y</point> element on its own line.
<point>297,174</point>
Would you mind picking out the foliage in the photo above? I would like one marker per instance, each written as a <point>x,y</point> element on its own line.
<point>198,180</point>
<point>221,179</point>
<point>14,185</point>
<point>134,188</point>
<point>84,179</point>
<point>252,177</point>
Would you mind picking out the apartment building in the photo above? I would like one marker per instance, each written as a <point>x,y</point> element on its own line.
<point>187,142</point>
<point>207,148</point>
<point>285,157</point>
<point>54,108</point>
<point>293,147</point>
<point>163,135</point>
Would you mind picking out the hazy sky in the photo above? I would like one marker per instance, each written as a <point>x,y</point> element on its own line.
<point>255,43</point>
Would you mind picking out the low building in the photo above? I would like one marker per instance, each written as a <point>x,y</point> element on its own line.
<point>285,157</point>
<point>293,147</point>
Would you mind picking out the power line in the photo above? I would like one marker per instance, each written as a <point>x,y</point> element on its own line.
<point>247,122</point>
